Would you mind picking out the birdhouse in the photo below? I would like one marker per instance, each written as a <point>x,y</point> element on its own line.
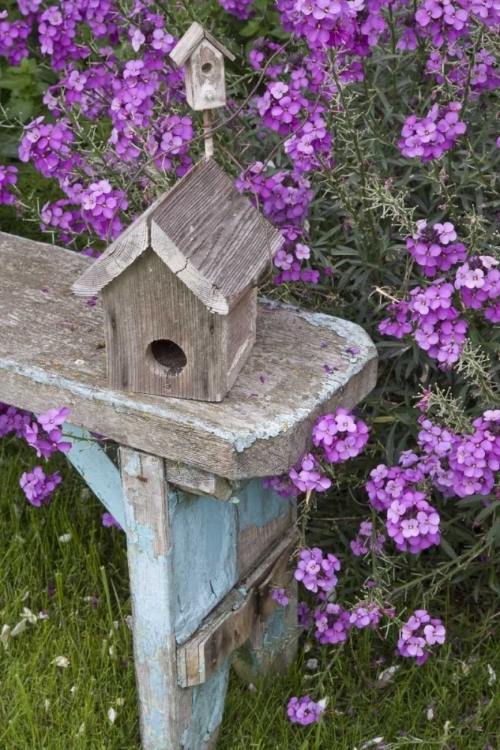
<point>203,59</point>
<point>178,289</point>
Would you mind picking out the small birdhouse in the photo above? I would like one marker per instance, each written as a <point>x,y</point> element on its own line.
<point>178,289</point>
<point>203,59</point>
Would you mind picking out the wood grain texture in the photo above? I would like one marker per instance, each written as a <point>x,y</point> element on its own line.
<point>199,482</point>
<point>165,709</point>
<point>263,517</point>
<point>204,77</point>
<point>240,617</point>
<point>172,718</point>
<point>191,39</point>
<point>262,427</point>
<point>149,303</point>
<point>215,237</point>
<point>118,256</point>
<point>208,234</point>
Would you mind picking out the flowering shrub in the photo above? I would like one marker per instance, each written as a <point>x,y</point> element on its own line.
<point>370,138</point>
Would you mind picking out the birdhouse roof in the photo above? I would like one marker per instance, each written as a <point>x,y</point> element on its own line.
<point>190,41</point>
<point>205,231</point>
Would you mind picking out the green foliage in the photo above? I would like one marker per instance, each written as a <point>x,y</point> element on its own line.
<point>82,585</point>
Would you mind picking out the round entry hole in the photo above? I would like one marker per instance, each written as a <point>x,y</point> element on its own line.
<point>206,68</point>
<point>169,355</point>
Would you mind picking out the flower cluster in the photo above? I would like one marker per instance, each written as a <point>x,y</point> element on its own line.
<point>284,198</point>
<point>13,39</point>
<point>100,207</point>
<point>430,137</point>
<point>110,521</point>
<point>412,523</point>
<point>479,77</point>
<point>13,420</point>
<point>478,281</point>
<point>410,520</point>
<point>307,476</point>
<point>8,178</point>
<point>303,710</point>
<point>434,247</point>
<point>341,435</point>
<point>419,634</point>
<point>332,623</point>
<point>366,542</point>
<point>48,147</point>
<point>279,595</point>
<point>45,436</point>
<point>38,487</point>
<point>239,8</point>
<point>429,315</point>
<point>366,617</point>
<point>317,571</point>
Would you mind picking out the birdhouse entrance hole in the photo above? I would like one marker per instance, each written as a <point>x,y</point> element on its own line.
<point>206,68</point>
<point>169,355</point>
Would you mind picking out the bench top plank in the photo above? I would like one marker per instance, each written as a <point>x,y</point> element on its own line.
<point>52,354</point>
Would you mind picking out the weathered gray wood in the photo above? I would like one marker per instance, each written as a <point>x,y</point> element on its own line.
<point>204,76</point>
<point>212,236</point>
<point>118,256</point>
<point>172,718</point>
<point>238,618</point>
<point>165,709</point>
<point>262,427</point>
<point>263,518</point>
<point>191,39</point>
<point>208,234</point>
<point>199,482</point>
<point>148,303</point>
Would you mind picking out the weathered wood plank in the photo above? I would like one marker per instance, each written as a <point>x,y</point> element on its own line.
<point>204,533</point>
<point>165,710</point>
<point>97,469</point>
<point>199,482</point>
<point>262,426</point>
<point>191,39</point>
<point>263,517</point>
<point>238,618</point>
<point>172,718</point>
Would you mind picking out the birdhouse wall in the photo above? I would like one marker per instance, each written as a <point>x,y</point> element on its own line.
<point>147,303</point>
<point>242,329</point>
<point>204,73</point>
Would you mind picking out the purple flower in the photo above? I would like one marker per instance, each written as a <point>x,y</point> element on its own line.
<point>110,521</point>
<point>332,624</point>
<point>303,710</point>
<point>315,571</point>
<point>38,487</point>
<point>418,635</point>
<point>279,595</point>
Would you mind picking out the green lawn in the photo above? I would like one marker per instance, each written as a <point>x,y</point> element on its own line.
<point>450,703</point>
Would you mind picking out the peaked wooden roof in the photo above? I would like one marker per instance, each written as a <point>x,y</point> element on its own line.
<point>191,39</point>
<point>208,234</point>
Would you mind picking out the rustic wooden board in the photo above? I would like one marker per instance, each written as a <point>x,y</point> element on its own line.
<point>51,354</point>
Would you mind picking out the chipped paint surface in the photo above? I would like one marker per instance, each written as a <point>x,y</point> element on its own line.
<point>204,536</point>
<point>258,506</point>
<point>208,709</point>
<point>97,469</point>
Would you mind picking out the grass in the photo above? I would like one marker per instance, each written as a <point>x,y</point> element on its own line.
<point>451,703</point>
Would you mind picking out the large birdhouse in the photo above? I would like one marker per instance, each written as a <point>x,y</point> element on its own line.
<point>203,59</point>
<point>179,289</point>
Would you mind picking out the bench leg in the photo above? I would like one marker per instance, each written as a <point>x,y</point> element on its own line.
<point>172,718</point>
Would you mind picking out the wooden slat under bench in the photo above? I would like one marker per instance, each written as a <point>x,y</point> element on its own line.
<point>51,354</point>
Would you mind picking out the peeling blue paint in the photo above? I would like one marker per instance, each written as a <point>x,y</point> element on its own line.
<point>208,709</point>
<point>204,537</point>
<point>258,506</point>
<point>97,469</point>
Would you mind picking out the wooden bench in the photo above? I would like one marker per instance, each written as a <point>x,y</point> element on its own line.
<point>206,543</point>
